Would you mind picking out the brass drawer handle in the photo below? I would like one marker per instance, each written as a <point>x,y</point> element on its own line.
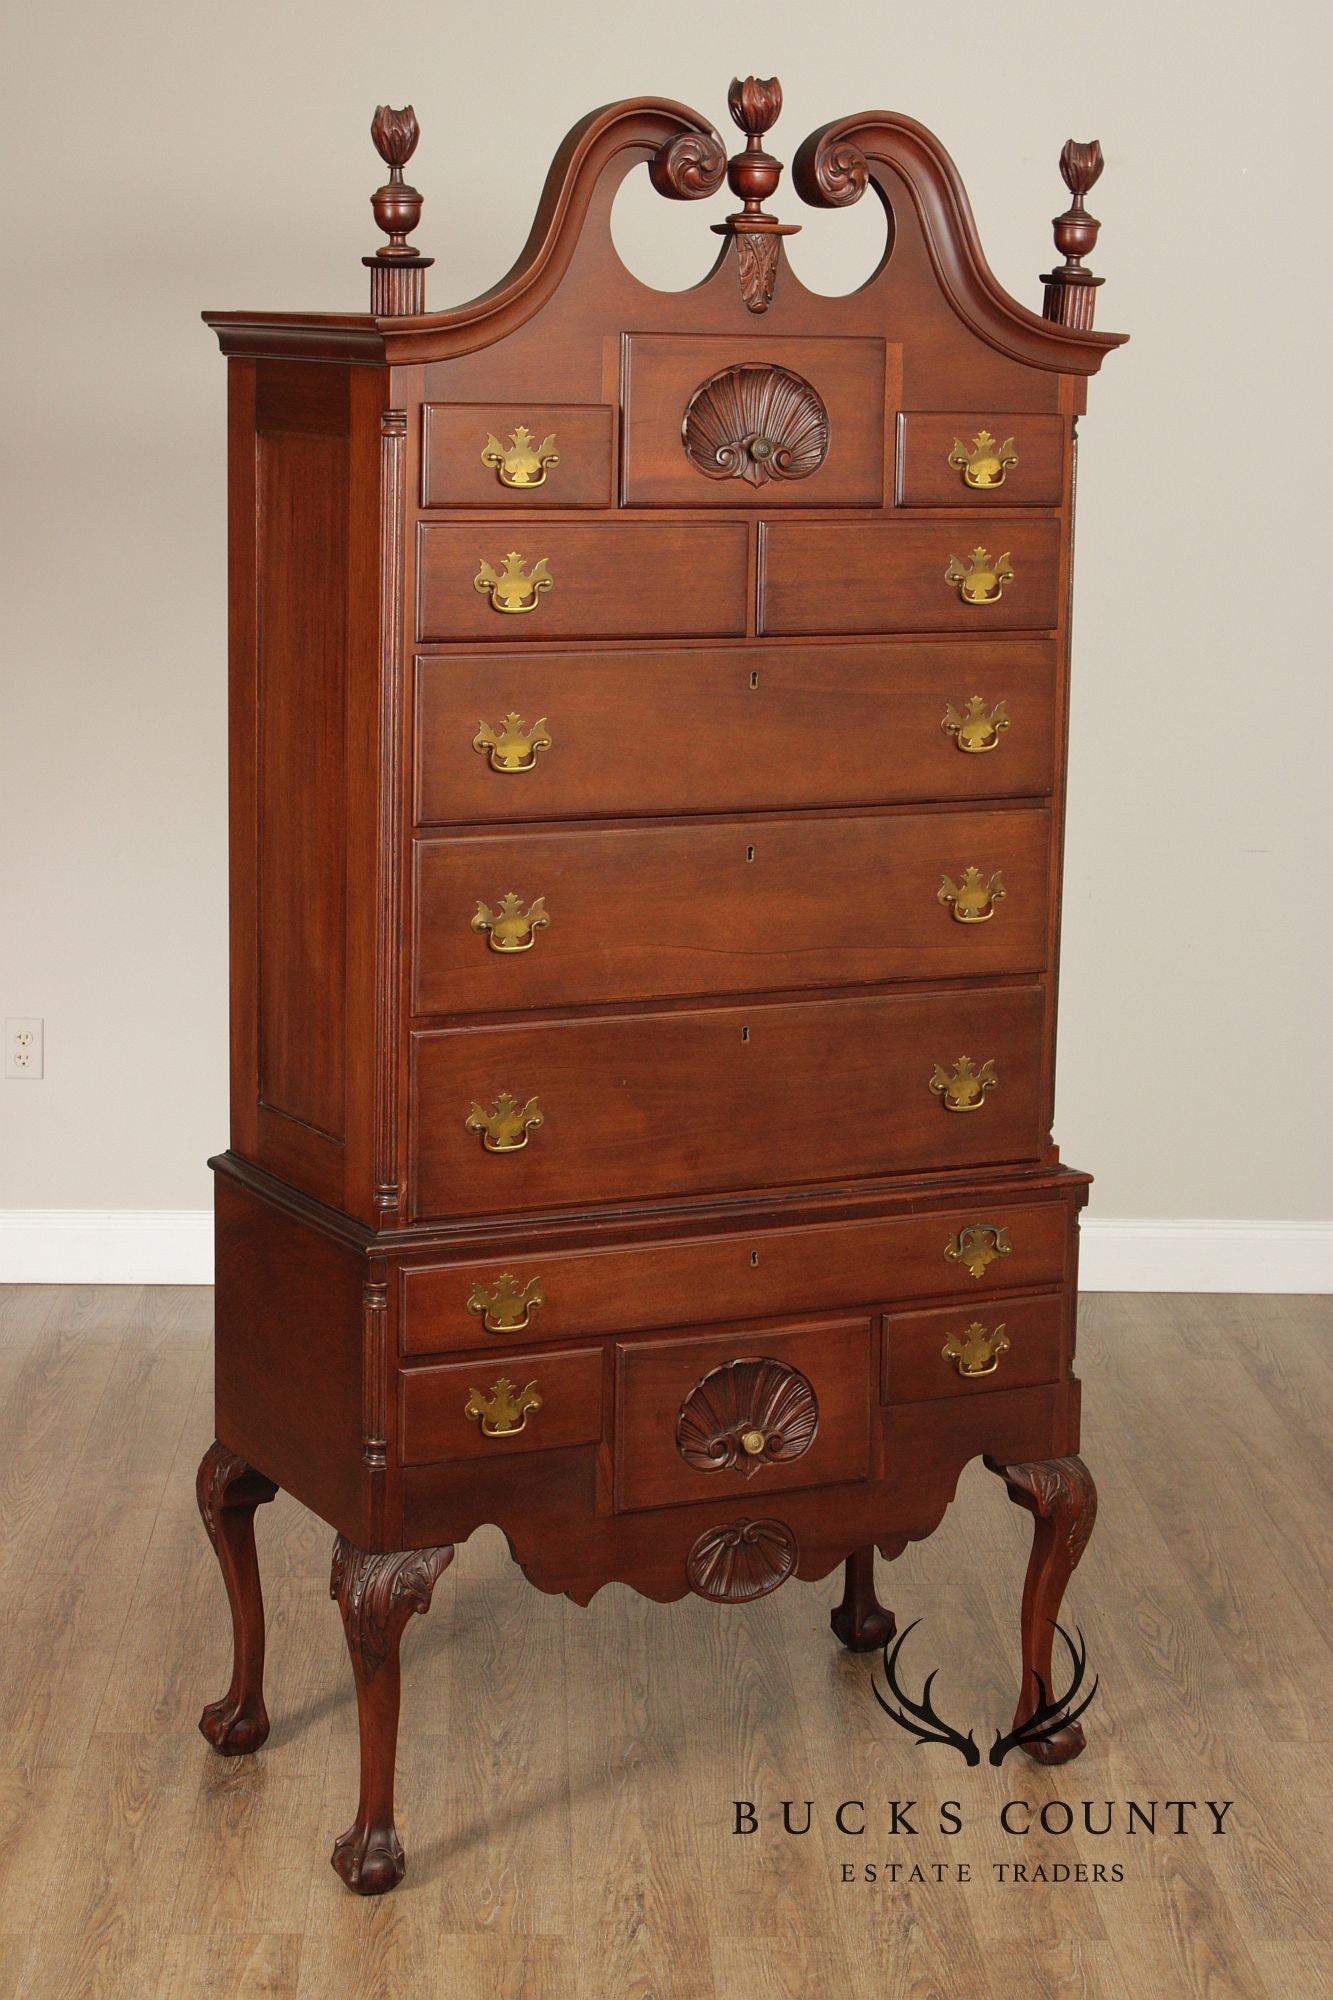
<point>514,746</point>
<point>504,1413</point>
<point>977,731</point>
<point>520,465</point>
<point>513,589</point>
<point>975,1352</point>
<point>977,1246</point>
<point>980,580</point>
<point>511,927</point>
<point>505,1127</point>
<point>509,1307</point>
<point>984,466</point>
<point>966,1089</point>
<point>971,903</point>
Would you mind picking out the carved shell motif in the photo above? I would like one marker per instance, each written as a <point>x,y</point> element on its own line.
<point>747,1414</point>
<point>756,424</point>
<point>741,1560</point>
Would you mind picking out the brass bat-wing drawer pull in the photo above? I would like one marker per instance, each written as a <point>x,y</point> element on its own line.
<point>505,1127</point>
<point>522,464</point>
<point>976,731</point>
<point>508,1307</point>
<point>966,1089</point>
<point>977,1246</point>
<point>514,745</point>
<point>513,588</point>
<point>504,1413</point>
<point>972,902</point>
<point>975,1352</point>
<point>511,927</point>
<point>984,465</point>
<point>979,580</point>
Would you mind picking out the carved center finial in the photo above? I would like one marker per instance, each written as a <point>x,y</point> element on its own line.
<point>755,104</point>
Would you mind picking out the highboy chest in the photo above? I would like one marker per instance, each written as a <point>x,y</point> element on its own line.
<point>647,766</point>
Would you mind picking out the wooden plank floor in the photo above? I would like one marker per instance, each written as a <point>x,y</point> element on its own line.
<point>566,1775</point>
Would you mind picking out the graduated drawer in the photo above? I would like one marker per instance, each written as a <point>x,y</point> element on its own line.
<point>516,454</point>
<point>598,579</point>
<point>461,1410</point>
<point>636,1106</point>
<point>890,576</point>
<point>979,459</point>
<point>645,912</point>
<point>967,1250</point>
<point>742,1415</point>
<point>958,1351</point>
<point>731,730</point>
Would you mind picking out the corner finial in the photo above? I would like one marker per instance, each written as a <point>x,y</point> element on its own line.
<point>1071,292</point>
<point>397,270</point>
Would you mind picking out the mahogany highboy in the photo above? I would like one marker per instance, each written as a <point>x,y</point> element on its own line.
<point>647,772</point>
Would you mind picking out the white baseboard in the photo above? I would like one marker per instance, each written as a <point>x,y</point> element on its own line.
<point>174,1246</point>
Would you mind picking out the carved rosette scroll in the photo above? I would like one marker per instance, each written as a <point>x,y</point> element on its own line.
<point>756,423</point>
<point>741,1560</point>
<point>689,167</point>
<point>747,1414</point>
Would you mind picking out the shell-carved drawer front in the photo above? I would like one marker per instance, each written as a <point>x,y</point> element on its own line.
<point>910,576</point>
<point>979,458</point>
<point>501,1403</point>
<point>709,1099</point>
<point>563,919</point>
<point>728,423</point>
<point>741,1415</point>
<point>971,1347</point>
<point>968,1252</point>
<point>530,578</point>
<point>528,454</point>
<point>514,737</point>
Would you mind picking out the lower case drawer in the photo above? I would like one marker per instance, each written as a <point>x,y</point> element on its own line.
<point>966,1250</point>
<point>501,1403</point>
<point>955,1351</point>
<point>716,1098</point>
<point>742,1415</point>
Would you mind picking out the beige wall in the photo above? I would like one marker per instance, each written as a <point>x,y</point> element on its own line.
<point>170,156</point>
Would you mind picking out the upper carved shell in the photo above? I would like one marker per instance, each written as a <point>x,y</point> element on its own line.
<point>756,423</point>
<point>748,1398</point>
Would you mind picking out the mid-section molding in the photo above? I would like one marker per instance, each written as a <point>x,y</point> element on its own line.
<point>833,168</point>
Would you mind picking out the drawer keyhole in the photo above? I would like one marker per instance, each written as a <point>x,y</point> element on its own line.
<point>749,854</point>
<point>745,1034</point>
<point>754,680</point>
<point>754,1259</point>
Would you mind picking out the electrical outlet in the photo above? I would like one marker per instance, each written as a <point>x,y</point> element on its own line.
<point>23,1047</point>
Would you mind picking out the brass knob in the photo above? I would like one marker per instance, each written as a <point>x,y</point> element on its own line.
<point>753,1442</point>
<point>514,745</point>
<point>984,466</point>
<point>522,464</point>
<point>513,588</point>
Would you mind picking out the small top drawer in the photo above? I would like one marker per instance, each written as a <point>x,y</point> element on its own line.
<point>587,579</point>
<point>974,458</point>
<point>533,454</point>
<point>952,574</point>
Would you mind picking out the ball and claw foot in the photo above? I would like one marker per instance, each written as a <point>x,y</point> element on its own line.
<point>1062,1748</point>
<point>234,1726</point>
<point>861,1622</point>
<point>370,1860</point>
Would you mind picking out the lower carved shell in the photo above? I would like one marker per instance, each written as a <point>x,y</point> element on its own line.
<point>741,1560</point>
<point>756,424</point>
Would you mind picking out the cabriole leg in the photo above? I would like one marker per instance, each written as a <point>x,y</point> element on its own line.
<point>377,1594</point>
<point>1060,1496</point>
<point>228,1491</point>
<point>861,1621</point>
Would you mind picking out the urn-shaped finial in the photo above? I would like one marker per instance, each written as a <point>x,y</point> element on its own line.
<point>1070,289</point>
<point>397,269</point>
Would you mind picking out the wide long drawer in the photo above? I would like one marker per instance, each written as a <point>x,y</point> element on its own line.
<point>512,921</point>
<point>524,582</point>
<point>910,576</point>
<point>512,736</point>
<point>769,1094</point>
<point>964,1249</point>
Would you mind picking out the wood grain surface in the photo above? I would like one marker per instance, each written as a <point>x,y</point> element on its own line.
<point>566,1800</point>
